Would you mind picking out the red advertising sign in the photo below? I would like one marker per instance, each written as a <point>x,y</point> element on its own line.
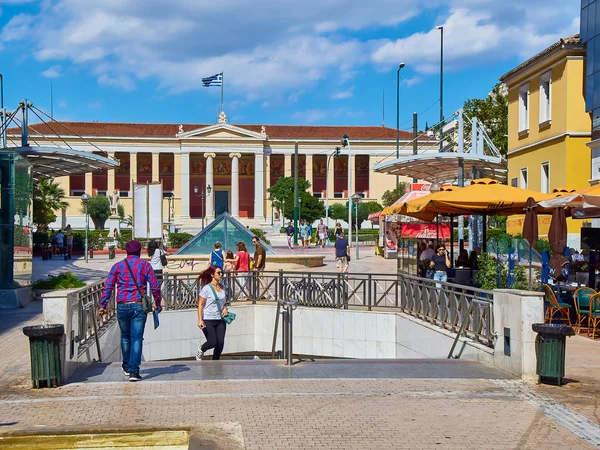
<point>425,230</point>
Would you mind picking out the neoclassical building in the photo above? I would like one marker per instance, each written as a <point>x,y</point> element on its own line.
<point>238,162</point>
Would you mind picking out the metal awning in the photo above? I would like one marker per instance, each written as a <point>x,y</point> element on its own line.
<point>51,162</point>
<point>443,167</point>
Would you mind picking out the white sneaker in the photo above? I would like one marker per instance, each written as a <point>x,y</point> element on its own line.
<point>199,354</point>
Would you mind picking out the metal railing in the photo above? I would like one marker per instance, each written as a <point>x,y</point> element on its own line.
<point>89,324</point>
<point>442,304</point>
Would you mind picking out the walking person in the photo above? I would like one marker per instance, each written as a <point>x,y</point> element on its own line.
<point>289,231</point>
<point>342,253</point>
<point>260,259</point>
<point>321,233</point>
<point>53,243</point>
<point>217,257</point>
<point>327,236</point>
<point>60,241</point>
<point>241,263</point>
<point>309,231</point>
<point>131,277</point>
<point>303,233</point>
<point>338,230</point>
<point>156,253</point>
<point>212,306</point>
<point>440,263</point>
<point>69,239</point>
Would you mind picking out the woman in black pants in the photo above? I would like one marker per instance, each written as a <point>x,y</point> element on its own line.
<point>211,309</point>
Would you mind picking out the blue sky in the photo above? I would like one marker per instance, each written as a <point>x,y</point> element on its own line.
<point>284,62</point>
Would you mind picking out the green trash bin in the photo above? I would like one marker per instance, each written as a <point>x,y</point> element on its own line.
<point>44,348</point>
<point>111,253</point>
<point>550,349</point>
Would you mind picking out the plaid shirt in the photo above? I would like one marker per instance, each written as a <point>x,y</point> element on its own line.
<point>127,290</point>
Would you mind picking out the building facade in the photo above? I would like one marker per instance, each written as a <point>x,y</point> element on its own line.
<point>238,162</point>
<point>548,127</point>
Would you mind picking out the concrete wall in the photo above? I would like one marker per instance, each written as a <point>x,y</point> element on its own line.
<point>352,333</point>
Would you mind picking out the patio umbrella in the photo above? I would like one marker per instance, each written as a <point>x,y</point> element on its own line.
<point>530,224</point>
<point>557,235</point>
<point>582,199</point>
<point>483,196</point>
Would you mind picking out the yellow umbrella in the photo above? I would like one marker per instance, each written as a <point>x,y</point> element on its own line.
<point>483,197</point>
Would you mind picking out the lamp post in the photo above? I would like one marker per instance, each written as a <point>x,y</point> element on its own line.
<point>398,116</point>
<point>85,198</point>
<point>299,207</point>
<point>441,28</point>
<point>283,213</point>
<point>356,198</point>
<point>202,194</point>
<point>346,143</point>
<point>335,154</point>
<point>169,196</point>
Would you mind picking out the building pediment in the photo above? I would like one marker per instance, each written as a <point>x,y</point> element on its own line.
<point>221,131</point>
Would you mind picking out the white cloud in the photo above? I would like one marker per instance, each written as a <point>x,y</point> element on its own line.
<point>122,43</point>
<point>341,95</point>
<point>410,81</point>
<point>52,72</point>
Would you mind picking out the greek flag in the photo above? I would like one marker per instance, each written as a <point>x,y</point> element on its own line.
<point>215,80</point>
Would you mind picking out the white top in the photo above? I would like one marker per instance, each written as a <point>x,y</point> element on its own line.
<point>155,260</point>
<point>211,310</point>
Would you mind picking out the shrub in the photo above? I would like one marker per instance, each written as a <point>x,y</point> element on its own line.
<point>65,280</point>
<point>124,237</point>
<point>93,239</point>
<point>260,234</point>
<point>177,240</point>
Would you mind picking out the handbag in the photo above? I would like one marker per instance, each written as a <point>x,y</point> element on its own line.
<point>348,256</point>
<point>163,258</point>
<point>230,317</point>
<point>146,299</point>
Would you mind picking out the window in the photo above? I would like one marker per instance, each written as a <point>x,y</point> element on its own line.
<point>524,108</point>
<point>77,192</point>
<point>317,194</point>
<point>523,183</point>
<point>545,178</point>
<point>514,182</point>
<point>545,104</point>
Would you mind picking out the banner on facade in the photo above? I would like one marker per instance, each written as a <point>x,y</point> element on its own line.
<point>425,230</point>
<point>147,210</point>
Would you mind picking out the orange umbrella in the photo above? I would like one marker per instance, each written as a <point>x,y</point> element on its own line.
<point>482,197</point>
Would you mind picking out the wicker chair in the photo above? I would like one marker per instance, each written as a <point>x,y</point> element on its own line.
<point>553,307</point>
<point>582,306</point>
<point>594,314</point>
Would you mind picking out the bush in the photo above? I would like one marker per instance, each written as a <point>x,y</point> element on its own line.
<point>124,237</point>
<point>177,240</point>
<point>93,239</point>
<point>260,234</point>
<point>64,280</point>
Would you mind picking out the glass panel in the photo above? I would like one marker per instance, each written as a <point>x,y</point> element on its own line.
<point>583,24</point>
<point>595,19</point>
<point>224,229</point>
<point>591,21</point>
<point>596,101</point>
<point>589,92</point>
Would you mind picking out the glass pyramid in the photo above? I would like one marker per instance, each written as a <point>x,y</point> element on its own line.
<point>224,229</point>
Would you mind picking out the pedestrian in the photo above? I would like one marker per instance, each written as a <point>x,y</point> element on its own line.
<point>440,263</point>
<point>321,233</point>
<point>69,238</point>
<point>53,243</point>
<point>131,277</point>
<point>338,230</point>
<point>303,232</point>
<point>217,257</point>
<point>289,231</point>
<point>309,231</point>
<point>260,259</point>
<point>229,266</point>
<point>327,236</point>
<point>212,306</point>
<point>342,253</point>
<point>155,253</point>
<point>241,263</point>
<point>60,240</point>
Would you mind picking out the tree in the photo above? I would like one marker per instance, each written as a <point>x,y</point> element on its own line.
<point>339,211</point>
<point>126,220</point>
<point>47,198</point>
<point>99,210</point>
<point>389,197</point>
<point>311,208</point>
<point>492,111</point>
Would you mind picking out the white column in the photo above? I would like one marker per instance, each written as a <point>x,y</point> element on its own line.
<point>287,166</point>
<point>210,199</point>
<point>259,186</point>
<point>309,172</point>
<point>235,184</point>
<point>110,178</point>
<point>185,185</point>
<point>155,168</point>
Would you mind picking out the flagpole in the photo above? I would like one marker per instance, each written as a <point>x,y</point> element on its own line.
<point>222,82</point>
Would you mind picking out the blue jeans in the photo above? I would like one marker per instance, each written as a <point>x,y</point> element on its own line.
<point>440,276</point>
<point>132,320</point>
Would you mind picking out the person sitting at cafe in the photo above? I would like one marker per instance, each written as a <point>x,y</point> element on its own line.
<point>463,259</point>
<point>473,260</point>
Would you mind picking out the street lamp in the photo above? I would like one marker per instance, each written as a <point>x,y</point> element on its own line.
<point>299,207</point>
<point>169,196</point>
<point>346,143</point>
<point>85,198</point>
<point>283,213</point>
<point>202,195</point>
<point>441,28</point>
<point>356,198</point>
<point>335,154</point>
<point>398,116</point>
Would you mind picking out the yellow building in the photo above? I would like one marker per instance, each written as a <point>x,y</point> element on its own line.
<point>548,127</point>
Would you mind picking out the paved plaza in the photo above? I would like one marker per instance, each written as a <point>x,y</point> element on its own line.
<point>338,404</point>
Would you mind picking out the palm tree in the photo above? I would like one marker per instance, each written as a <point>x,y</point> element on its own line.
<point>47,198</point>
